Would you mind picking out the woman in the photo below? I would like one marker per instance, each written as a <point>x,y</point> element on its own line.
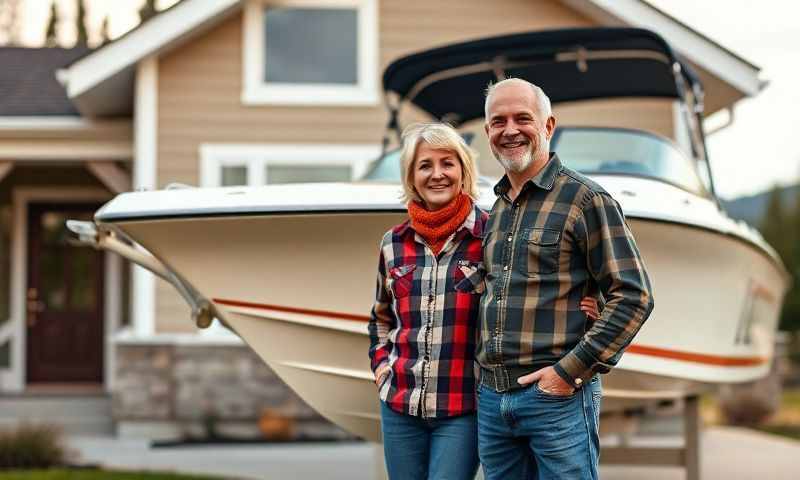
<point>423,327</point>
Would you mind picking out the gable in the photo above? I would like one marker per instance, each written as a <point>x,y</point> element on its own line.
<point>101,84</point>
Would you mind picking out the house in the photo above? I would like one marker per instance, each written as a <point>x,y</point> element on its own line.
<point>228,92</point>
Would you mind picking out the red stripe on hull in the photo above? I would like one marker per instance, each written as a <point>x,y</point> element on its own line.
<point>715,360</point>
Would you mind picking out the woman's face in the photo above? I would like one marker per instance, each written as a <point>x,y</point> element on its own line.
<point>437,175</point>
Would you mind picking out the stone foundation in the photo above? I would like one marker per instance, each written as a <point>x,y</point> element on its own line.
<point>201,391</point>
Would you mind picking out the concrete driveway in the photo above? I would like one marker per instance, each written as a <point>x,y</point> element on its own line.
<point>727,454</point>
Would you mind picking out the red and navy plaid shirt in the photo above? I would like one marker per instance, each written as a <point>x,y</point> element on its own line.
<point>424,321</point>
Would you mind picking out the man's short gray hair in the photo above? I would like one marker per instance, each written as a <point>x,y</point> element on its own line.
<point>542,100</point>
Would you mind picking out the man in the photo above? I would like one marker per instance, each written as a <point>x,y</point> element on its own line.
<point>553,236</point>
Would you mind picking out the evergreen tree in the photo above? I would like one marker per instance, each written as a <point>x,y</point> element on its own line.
<point>148,10</point>
<point>781,229</point>
<point>105,37</point>
<point>773,225</point>
<point>83,36</point>
<point>778,229</point>
<point>790,319</point>
<point>51,38</point>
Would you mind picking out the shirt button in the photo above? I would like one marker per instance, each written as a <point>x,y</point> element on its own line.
<point>509,238</point>
<point>505,267</point>
<point>578,382</point>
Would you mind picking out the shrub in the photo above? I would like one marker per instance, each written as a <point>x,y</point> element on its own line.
<point>32,446</point>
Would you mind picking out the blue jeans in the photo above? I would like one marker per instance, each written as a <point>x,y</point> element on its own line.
<point>529,434</point>
<point>418,448</point>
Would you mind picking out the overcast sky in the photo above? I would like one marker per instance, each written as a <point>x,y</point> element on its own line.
<point>760,149</point>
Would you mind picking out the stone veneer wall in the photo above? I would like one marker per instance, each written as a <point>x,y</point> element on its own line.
<point>192,391</point>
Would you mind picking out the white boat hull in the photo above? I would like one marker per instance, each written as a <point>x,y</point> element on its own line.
<point>298,289</point>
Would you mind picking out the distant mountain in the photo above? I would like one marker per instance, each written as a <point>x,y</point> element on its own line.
<point>753,208</point>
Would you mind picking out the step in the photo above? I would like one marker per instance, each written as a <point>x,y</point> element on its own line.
<point>75,414</point>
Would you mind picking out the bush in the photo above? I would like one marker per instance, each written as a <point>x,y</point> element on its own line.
<point>32,446</point>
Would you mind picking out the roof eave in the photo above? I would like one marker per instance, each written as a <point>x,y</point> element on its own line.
<point>723,63</point>
<point>119,58</point>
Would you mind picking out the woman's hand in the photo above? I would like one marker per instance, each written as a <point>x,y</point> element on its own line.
<point>380,373</point>
<point>589,307</point>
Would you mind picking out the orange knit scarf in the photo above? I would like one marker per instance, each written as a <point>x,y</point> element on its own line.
<point>437,226</point>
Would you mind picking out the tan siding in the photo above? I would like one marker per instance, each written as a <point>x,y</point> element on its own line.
<point>200,88</point>
<point>200,84</point>
<point>651,115</point>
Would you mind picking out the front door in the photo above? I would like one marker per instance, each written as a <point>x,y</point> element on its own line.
<point>64,304</point>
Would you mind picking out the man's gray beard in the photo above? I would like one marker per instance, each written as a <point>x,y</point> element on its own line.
<point>510,165</point>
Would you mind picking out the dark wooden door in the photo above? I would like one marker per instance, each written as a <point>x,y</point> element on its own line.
<point>64,304</point>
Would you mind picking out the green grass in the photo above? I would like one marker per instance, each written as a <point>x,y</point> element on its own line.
<point>791,399</point>
<point>87,474</point>
<point>789,431</point>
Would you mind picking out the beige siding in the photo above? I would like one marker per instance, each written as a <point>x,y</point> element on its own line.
<point>200,84</point>
<point>200,88</point>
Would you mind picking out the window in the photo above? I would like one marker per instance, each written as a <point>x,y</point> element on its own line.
<point>310,52</point>
<point>262,164</point>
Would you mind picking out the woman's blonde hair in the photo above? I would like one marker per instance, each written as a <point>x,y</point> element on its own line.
<point>437,135</point>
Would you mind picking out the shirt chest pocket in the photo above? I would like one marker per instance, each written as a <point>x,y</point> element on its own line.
<point>401,280</point>
<point>539,251</point>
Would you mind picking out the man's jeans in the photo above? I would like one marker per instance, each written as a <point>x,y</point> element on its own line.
<point>417,448</point>
<point>529,434</point>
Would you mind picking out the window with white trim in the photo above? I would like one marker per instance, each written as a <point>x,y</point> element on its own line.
<point>310,52</point>
<point>261,164</point>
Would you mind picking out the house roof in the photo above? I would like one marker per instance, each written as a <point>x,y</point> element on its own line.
<point>102,83</point>
<point>28,84</point>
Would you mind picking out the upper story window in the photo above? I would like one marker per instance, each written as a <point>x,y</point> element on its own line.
<point>310,52</point>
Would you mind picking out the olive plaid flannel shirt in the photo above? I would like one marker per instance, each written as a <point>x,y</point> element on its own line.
<point>561,239</point>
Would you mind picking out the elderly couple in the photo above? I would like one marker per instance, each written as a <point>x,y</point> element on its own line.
<point>486,341</point>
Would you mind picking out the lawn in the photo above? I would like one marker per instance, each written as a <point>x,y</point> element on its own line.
<point>92,474</point>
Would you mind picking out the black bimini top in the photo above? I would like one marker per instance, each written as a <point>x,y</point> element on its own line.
<point>568,64</point>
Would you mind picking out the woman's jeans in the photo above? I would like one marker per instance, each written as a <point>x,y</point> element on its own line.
<point>435,449</point>
<point>530,434</point>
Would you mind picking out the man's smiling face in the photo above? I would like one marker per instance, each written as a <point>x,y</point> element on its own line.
<point>515,127</point>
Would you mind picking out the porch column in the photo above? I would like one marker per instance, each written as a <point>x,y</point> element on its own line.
<point>145,118</point>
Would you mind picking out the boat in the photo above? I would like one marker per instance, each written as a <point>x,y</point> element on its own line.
<point>291,269</point>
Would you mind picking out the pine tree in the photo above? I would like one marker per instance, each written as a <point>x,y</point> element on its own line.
<point>83,36</point>
<point>781,229</point>
<point>105,37</point>
<point>773,225</point>
<point>51,37</point>
<point>148,10</point>
<point>790,319</point>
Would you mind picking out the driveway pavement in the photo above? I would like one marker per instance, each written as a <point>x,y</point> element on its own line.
<point>727,453</point>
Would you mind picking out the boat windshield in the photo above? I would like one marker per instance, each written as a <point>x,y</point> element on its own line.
<point>385,169</point>
<point>603,151</point>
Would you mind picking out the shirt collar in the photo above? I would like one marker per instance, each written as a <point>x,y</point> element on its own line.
<point>545,179</point>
